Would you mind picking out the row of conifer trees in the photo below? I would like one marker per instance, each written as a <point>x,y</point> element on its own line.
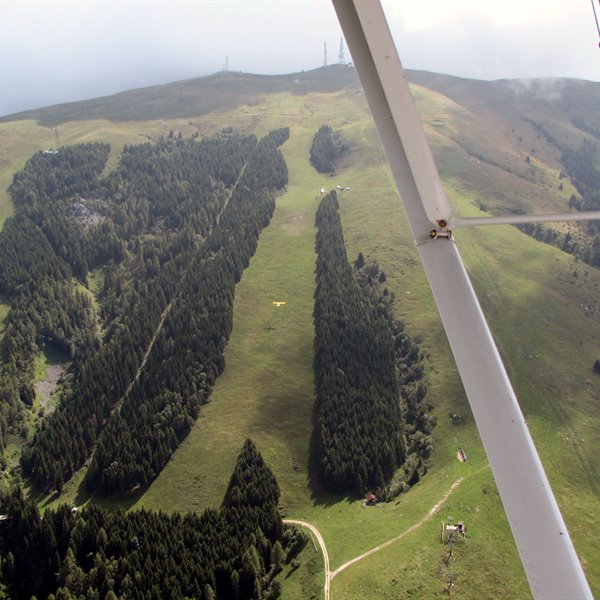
<point>369,410</point>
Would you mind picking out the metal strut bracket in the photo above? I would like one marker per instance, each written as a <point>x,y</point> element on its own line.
<point>441,231</point>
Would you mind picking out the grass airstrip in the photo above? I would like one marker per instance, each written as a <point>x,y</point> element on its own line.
<point>536,298</point>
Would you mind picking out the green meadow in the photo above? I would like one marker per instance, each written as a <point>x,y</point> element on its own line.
<point>534,296</point>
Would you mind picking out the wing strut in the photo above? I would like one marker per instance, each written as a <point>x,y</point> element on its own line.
<point>592,215</point>
<point>542,539</point>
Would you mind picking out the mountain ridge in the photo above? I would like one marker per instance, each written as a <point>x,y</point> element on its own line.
<point>223,91</point>
<point>191,97</point>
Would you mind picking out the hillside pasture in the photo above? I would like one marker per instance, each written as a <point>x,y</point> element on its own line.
<point>541,304</point>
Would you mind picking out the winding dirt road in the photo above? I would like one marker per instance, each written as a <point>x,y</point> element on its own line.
<point>321,541</point>
<point>329,575</point>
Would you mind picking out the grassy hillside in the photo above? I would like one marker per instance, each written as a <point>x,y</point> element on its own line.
<point>276,413</point>
<point>193,97</point>
<point>266,390</point>
<point>541,304</point>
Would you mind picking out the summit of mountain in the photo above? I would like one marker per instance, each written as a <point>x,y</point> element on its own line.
<point>558,99</point>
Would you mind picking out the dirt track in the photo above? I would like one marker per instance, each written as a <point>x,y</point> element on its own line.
<point>418,524</point>
<point>329,575</point>
<point>321,541</point>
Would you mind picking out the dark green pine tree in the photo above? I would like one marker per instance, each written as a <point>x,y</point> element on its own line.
<point>253,490</point>
<point>252,483</point>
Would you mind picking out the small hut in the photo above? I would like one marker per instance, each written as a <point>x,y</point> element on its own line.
<point>371,499</point>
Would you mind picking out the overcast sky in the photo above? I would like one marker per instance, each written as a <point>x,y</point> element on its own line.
<point>53,52</point>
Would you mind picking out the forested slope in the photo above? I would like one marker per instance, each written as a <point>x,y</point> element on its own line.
<point>188,353</point>
<point>42,248</point>
<point>172,229</point>
<point>541,304</point>
<point>234,552</point>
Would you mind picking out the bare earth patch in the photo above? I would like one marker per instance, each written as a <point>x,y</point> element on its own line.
<point>46,387</point>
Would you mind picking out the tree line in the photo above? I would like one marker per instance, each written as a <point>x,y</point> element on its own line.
<point>369,416</point>
<point>581,166</point>
<point>93,554</point>
<point>584,247</point>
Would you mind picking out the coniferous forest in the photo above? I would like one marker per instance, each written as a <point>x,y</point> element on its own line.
<point>234,552</point>
<point>327,146</point>
<point>169,232</point>
<point>369,415</point>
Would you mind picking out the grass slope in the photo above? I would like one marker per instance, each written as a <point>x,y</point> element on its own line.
<point>537,308</point>
<point>193,97</point>
<point>529,275</point>
<point>266,389</point>
<point>263,392</point>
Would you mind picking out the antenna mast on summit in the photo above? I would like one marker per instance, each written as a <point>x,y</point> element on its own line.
<point>325,54</point>
<point>341,59</point>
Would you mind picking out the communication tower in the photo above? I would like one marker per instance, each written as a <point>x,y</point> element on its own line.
<point>341,59</point>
